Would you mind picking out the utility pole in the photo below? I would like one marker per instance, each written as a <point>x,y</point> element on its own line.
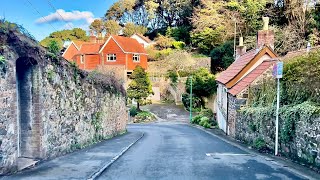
<point>191,99</point>
<point>235,36</point>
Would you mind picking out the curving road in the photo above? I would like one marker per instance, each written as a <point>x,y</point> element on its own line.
<point>179,151</point>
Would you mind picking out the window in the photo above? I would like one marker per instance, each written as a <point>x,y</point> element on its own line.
<point>111,57</point>
<point>81,59</point>
<point>136,58</point>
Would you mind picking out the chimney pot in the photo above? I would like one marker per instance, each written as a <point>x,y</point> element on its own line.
<point>265,23</point>
<point>240,41</point>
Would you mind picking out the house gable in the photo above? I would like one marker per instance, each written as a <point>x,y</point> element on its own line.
<point>70,51</point>
<point>250,66</point>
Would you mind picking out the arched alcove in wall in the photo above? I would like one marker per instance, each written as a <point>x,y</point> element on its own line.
<point>28,125</point>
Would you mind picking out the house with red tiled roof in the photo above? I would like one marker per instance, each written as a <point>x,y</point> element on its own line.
<point>143,40</point>
<point>248,69</point>
<point>114,51</point>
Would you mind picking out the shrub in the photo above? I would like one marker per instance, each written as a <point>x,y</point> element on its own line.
<point>196,102</point>
<point>204,121</point>
<point>144,116</point>
<point>178,45</point>
<point>260,144</point>
<point>173,76</point>
<point>207,113</point>
<point>196,119</point>
<point>133,111</point>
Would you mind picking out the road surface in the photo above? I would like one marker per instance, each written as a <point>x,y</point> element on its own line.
<point>179,151</point>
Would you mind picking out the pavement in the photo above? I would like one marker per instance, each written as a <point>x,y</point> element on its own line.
<point>82,164</point>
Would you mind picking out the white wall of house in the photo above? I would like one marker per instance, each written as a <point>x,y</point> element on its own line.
<point>222,105</point>
<point>140,40</point>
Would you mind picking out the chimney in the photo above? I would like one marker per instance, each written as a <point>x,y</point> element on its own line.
<point>308,47</point>
<point>93,38</point>
<point>241,49</point>
<point>265,36</point>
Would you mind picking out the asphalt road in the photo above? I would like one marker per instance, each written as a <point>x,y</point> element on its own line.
<point>179,151</point>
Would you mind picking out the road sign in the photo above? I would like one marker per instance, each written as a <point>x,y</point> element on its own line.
<point>278,70</point>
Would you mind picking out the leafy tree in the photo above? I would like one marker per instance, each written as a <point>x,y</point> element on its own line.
<point>112,27</point>
<point>65,35</point>
<point>203,83</point>
<point>97,26</point>
<point>54,47</point>
<point>164,42</point>
<point>179,61</point>
<point>181,33</point>
<point>140,87</point>
<point>222,57</point>
<point>130,29</point>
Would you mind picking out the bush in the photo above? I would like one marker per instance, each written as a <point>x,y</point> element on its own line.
<point>173,76</point>
<point>260,144</point>
<point>144,116</point>
<point>133,111</point>
<point>178,45</point>
<point>204,121</point>
<point>196,102</point>
<point>196,119</point>
<point>207,113</point>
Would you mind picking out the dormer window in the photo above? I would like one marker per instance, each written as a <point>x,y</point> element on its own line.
<point>111,57</point>
<point>136,58</point>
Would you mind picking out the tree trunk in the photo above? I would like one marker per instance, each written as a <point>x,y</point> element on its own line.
<point>138,107</point>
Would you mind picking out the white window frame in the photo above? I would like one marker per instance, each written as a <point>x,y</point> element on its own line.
<point>81,59</point>
<point>111,57</point>
<point>136,58</point>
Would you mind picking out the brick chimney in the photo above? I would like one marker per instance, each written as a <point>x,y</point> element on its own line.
<point>265,36</point>
<point>241,49</point>
<point>93,38</point>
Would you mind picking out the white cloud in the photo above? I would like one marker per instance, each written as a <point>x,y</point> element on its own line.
<point>67,16</point>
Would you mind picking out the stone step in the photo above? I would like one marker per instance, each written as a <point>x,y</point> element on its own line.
<point>24,163</point>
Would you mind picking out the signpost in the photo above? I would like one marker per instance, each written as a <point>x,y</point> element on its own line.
<point>190,99</point>
<point>277,73</point>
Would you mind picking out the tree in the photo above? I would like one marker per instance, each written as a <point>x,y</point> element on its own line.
<point>112,27</point>
<point>97,26</point>
<point>222,57</point>
<point>203,83</point>
<point>140,87</point>
<point>130,29</point>
<point>164,42</point>
<point>53,47</point>
<point>179,61</point>
<point>65,35</point>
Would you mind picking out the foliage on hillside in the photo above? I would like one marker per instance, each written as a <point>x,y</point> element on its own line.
<point>65,35</point>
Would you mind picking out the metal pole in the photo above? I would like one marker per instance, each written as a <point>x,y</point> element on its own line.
<point>277,117</point>
<point>234,41</point>
<point>190,99</point>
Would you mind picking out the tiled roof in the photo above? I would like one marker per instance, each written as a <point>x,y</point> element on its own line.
<point>144,38</point>
<point>235,68</point>
<point>90,48</point>
<point>300,52</point>
<point>80,43</point>
<point>247,80</point>
<point>129,44</point>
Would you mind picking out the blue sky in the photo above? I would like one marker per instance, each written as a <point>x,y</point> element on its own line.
<point>77,13</point>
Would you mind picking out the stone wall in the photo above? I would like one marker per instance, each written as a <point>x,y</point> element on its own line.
<point>48,107</point>
<point>304,144</point>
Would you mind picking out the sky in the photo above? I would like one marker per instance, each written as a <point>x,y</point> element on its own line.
<point>42,17</point>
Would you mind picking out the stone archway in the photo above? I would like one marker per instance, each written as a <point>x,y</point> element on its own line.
<point>28,108</point>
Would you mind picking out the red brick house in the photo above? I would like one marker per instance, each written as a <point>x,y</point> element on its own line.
<point>115,51</point>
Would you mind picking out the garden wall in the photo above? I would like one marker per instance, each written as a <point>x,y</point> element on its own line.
<point>48,107</point>
<point>299,131</point>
